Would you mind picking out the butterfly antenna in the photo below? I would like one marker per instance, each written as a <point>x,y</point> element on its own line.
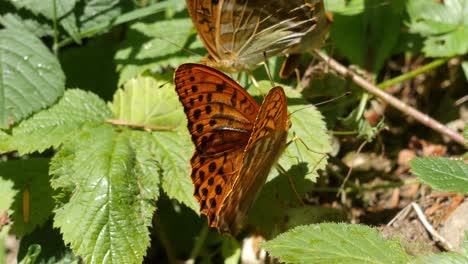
<point>324,102</point>
<point>291,183</point>
<point>179,46</point>
<point>268,69</point>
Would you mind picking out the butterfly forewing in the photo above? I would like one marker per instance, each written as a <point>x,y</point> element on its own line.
<point>204,15</point>
<point>265,146</point>
<point>220,116</point>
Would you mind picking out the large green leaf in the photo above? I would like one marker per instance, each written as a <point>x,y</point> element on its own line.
<point>145,101</point>
<point>107,190</point>
<point>442,173</point>
<point>51,127</point>
<point>31,77</point>
<point>33,202</point>
<point>335,243</point>
<point>444,25</point>
<point>154,46</point>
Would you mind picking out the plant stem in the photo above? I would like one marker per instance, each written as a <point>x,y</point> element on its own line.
<point>130,16</point>
<point>199,242</point>
<point>56,33</point>
<point>414,73</point>
<point>391,100</point>
<point>343,133</point>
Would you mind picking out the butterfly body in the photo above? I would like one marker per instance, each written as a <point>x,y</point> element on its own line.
<point>236,141</point>
<point>237,33</point>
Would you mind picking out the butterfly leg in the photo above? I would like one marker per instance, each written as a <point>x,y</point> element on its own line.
<point>291,183</point>
<point>252,78</point>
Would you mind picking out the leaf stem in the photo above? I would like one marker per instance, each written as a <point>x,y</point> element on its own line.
<point>130,16</point>
<point>391,100</point>
<point>414,73</point>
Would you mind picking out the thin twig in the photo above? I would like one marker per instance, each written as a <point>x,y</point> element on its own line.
<point>350,168</point>
<point>393,101</point>
<point>443,242</point>
<point>144,127</point>
<point>401,215</point>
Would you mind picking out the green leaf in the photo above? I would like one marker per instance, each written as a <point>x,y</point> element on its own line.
<point>335,243</point>
<point>356,121</point>
<point>53,248</point>
<point>33,202</point>
<point>62,9</point>
<point>5,145</point>
<point>367,39</point>
<point>444,25</point>
<point>231,251</point>
<point>51,127</point>
<point>31,76</point>
<point>7,192</point>
<point>96,12</point>
<point>33,252</point>
<point>146,167</point>
<point>15,22</point>
<point>45,8</point>
<point>442,173</point>
<point>173,150</point>
<point>143,101</point>
<point>153,47</point>
<point>344,7</point>
<point>106,195</point>
<point>148,102</point>
<point>465,71</point>
<point>443,258</point>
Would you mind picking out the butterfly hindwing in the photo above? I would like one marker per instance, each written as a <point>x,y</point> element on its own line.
<point>265,146</point>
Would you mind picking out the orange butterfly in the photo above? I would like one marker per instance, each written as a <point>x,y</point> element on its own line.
<point>236,141</point>
<point>237,33</point>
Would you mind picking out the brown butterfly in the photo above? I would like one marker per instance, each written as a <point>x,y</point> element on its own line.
<point>237,33</point>
<point>236,141</point>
